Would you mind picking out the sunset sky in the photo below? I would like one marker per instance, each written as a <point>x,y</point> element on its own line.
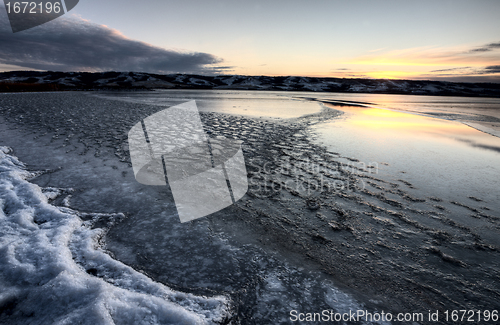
<point>437,40</point>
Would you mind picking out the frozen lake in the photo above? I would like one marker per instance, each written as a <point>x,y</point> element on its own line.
<point>416,211</point>
<point>268,104</point>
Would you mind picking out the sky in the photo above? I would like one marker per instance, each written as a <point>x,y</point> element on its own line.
<point>432,40</point>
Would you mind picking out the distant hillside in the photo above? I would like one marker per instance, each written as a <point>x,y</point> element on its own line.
<point>50,81</point>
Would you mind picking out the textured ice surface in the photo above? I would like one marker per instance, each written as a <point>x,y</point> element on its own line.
<point>394,249</point>
<point>87,154</point>
<point>52,270</point>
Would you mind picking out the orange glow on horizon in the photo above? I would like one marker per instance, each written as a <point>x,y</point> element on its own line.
<point>390,75</point>
<point>420,63</point>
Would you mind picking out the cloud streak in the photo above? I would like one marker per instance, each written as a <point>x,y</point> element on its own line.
<point>75,44</point>
<point>433,56</point>
<point>475,64</point>
<point>452,69</point>
<point>487,47</point>
<point>493,68</point>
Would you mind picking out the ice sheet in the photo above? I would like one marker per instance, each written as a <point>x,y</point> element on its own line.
<point>53,271</point>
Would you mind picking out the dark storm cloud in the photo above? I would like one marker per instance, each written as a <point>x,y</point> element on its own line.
<point>487,47</point>
<point>78,45</point>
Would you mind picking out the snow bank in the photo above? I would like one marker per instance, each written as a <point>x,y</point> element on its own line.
<point>52,270</point>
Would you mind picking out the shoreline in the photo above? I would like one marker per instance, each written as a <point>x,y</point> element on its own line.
<point>125,90</point>
<point>53,255</point>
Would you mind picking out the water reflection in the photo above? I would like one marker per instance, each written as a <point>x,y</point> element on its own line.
<point>383,119</point>
<point>274,105</point>
<point>495,148</point>
<point>480,113</point>
<point>400,124</point>
<point>440,157</point>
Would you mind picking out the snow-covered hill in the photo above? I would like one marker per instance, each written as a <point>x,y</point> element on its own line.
<point>44,81</point>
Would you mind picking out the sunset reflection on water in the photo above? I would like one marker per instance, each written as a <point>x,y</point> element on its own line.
<point>441,157</point>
